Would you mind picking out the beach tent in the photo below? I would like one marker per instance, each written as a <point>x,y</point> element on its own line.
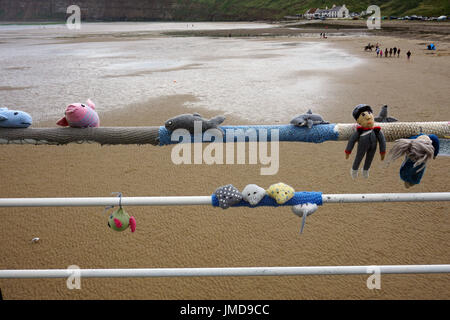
<point>431,47</point>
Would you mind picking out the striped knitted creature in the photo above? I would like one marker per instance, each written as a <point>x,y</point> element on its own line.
<point>80,115</point>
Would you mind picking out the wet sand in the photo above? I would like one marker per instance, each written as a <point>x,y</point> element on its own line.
<point>351,234</point>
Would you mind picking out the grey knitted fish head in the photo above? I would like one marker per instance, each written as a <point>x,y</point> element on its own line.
<point>187,121</point>
<point>253,194</point>
<point>299,121</point>
<point>181,121</point>
<point>228,195</point>
<point>308,119</point>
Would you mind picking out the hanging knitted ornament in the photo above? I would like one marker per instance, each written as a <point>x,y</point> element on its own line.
<point>417,151</point>
<point>303,210</point>
<point>120,220</point>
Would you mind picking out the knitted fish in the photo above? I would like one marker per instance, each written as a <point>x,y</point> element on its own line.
<point>253,194</point>
<point>281,192</point>
<point>14,119</point>
<point>308,119</point>
<point>79,115</point>
<point>119,220</point>
<point>227,196</point>
<point>187,121</point>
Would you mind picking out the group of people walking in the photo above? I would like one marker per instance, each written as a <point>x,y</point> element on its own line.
<point>387,53</point>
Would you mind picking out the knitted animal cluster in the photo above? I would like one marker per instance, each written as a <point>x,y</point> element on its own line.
<point>77,115</point>
<point>228,196</point>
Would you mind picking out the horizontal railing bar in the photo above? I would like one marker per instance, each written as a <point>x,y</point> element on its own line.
<point>227,272</point>
<point>207,200</point>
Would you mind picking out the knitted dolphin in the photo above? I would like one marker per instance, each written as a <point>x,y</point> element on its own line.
<point>14,119</point>
<point>187,121</point>
<point>308,119</point>
<point>80,115</point>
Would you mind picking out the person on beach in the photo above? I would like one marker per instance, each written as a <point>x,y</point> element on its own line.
<point>381,53</point>
<point>390,52</point>
<point>395,51</point>
<point>398,53</point>
<point>321,35</point>
<point>378,52</point>
<point>408,54</point>
<point>386,52</point>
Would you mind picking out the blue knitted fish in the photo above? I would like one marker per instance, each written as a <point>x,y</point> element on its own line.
<point>14,119</point>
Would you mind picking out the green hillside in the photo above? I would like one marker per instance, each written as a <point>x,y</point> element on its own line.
<point>204,10</point>
<point>251,9</point>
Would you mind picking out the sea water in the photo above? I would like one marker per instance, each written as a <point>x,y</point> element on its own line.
<point>44,68</point>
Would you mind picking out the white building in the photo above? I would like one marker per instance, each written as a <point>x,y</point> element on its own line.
<point>310,13</point>
<point>339,12</point>
<point>322,13</point>
<point>334,12</point>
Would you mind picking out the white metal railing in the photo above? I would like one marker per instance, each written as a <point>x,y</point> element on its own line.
<point>206,200</point>
<point>224,272</point>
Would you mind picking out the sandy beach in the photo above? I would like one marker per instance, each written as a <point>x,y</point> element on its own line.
<point>201,236</point>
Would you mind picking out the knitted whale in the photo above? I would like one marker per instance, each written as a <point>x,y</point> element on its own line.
<point>187,121</point>
<point>308,119</point>
<point>14,119</point>
<point>80,115</point>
